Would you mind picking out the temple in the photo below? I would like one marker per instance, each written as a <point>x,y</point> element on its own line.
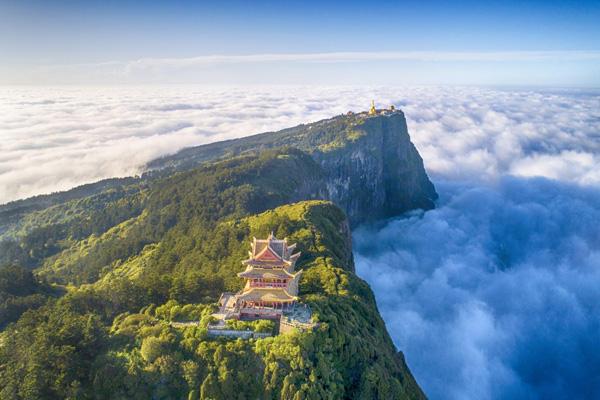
<point>271,284</point>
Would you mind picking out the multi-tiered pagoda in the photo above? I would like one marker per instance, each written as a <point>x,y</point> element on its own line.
<point>271,283</point>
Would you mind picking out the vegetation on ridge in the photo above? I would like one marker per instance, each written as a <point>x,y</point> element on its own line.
<point>110,336</point>
<point>141,356</point>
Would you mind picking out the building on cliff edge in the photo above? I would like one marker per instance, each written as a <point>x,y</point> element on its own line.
<point>271,289</point>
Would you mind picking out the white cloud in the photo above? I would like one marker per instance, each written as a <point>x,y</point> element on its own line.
<point>471,133</point>
<point>55,138</point>
<point>565,166</point>
<point>576,67</point>
<point>343,57</point>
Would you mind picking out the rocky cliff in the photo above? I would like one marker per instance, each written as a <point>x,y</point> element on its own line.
<point>378,172</point>
<point>372,168</point>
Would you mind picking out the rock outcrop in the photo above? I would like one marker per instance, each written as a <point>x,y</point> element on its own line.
<point>372,170</point>
<point>379,173</point>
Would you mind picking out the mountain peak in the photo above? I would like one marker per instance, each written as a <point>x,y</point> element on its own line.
<point>373,169</point>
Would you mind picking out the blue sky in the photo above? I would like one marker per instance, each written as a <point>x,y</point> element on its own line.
<point>36,35</point>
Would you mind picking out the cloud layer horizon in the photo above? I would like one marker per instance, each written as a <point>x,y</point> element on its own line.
<point>56,138</point>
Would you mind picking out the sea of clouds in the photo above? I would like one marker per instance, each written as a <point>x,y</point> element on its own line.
<point>495,294</point>
<point>56,138</point>
<point>492,295</point>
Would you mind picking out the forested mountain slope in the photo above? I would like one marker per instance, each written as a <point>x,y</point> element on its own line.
<point>373,170</point>
<point>114,268</point>
<point>371,167</point>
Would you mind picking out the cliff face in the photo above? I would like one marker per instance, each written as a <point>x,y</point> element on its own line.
<point>378,172</point>
<point>372,169</point>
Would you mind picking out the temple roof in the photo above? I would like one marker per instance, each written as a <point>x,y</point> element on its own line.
<point>270,254</point>
<point>267,273</point>
<point>266,294</point>
<point>268,264</point>
<point>271,251</point>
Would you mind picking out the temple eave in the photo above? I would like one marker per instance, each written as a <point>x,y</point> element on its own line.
<point>262,295</point>
<point>261,273</point>
<point>252,261</point>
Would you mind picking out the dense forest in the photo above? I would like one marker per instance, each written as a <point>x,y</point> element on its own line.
<point>20,291</point>
<point>96,318</point>
<point>94,283</point>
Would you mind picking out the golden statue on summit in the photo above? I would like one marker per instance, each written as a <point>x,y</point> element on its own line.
<point>372,110</point>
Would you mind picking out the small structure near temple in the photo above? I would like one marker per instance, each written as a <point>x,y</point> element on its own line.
<point>271,289</point>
